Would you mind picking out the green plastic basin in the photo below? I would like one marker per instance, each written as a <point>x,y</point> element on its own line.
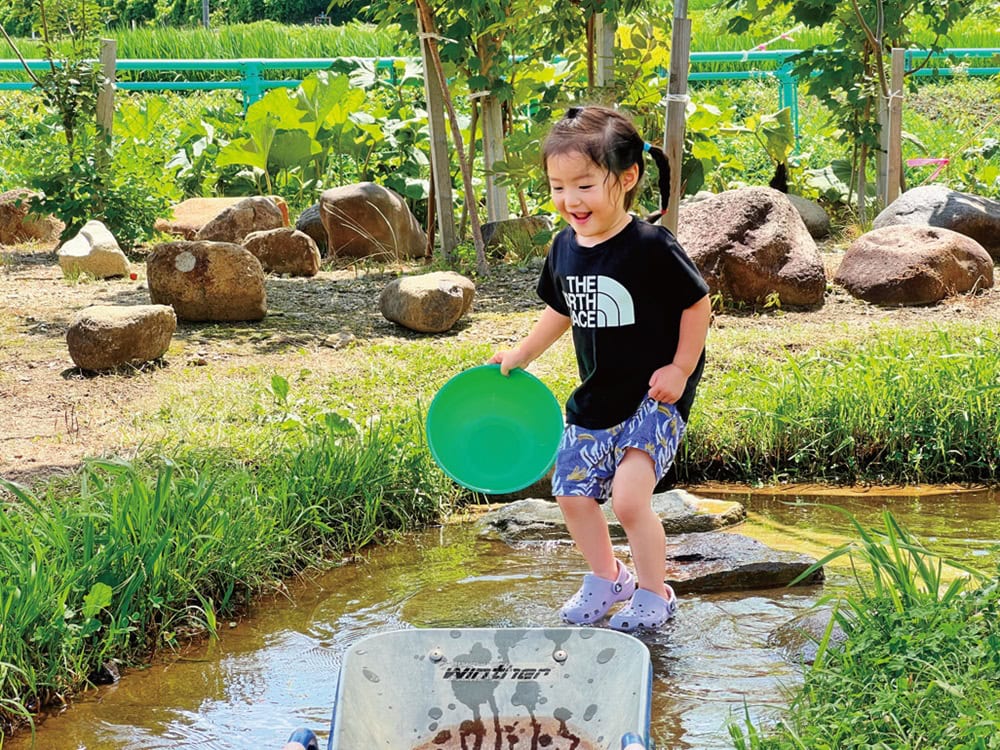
<point>493,433</point>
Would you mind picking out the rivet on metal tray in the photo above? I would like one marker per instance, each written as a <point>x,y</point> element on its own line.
<point>559,655</point>
<point>436,655</point>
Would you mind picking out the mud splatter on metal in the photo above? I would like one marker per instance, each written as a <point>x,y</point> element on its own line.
<point>492,685</point>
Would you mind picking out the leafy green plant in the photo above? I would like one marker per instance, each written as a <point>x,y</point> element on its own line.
<point>850,73</point>
<point>83,181</point>
<point>918,663</point>
<point>127,197</point>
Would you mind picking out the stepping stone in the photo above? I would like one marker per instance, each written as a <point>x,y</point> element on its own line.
<point>541,520</point>
<point>721,561</point>
<point>104,337</point>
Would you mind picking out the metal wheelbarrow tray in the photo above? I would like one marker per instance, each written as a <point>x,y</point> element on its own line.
<point>486,688</point>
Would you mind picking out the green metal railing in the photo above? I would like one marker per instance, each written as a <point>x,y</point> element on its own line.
<point>251,77</point>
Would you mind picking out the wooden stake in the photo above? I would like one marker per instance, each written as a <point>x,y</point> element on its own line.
<point>894,157</point>
<point>497,208</point>
<point>429,247</point>
<point>440,163</point>
<point>673,137</point>
<point>427,23</point>
<point>106,101</point>
<point>604,44</point>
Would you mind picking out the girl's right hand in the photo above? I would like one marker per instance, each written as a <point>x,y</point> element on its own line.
<point>508,359</point>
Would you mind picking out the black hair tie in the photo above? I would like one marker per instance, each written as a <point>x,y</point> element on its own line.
<point>573,112</point>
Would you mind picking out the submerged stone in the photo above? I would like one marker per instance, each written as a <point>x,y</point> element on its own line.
<point>722,561</point>
<point>541,520</point>
<point>799,638</point>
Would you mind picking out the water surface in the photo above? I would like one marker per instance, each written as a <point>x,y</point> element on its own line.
<point>278,669</point>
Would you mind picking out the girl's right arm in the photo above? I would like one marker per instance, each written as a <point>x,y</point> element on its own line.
<point>546,331</point>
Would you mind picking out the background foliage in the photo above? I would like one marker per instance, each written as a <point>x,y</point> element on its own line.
<point>213,148</point>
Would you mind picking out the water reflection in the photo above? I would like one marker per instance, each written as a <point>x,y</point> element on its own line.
<point>278,670</point>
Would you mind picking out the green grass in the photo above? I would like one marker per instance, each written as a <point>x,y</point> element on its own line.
<point>919,665</point>
<point>138,557</point>
<point>260,39</point>
<point>908,407</point>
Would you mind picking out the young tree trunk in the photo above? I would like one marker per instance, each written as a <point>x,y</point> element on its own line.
<point>427,22</point>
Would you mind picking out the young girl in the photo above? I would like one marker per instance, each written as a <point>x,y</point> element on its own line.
<point>640,312</point>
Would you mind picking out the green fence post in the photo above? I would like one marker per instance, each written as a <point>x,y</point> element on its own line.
<point>252,90</point>
<point>788,96</point>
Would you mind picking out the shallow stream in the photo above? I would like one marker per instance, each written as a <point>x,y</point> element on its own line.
<point>278,669</point>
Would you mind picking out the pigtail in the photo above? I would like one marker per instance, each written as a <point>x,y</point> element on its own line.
<point>662,181</point>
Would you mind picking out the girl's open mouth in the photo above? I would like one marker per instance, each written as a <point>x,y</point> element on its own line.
<point>580,217</point>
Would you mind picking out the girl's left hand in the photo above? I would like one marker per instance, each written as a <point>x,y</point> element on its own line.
<point>667,384</point>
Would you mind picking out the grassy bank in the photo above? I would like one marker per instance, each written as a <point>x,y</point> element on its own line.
<point>840,404</point>
<point>918,665</point>
<point>904,407</point>
<point>139,557</point>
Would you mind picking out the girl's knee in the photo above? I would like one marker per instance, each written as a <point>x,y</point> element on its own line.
<point>577,506</point>
<point>630,510</point>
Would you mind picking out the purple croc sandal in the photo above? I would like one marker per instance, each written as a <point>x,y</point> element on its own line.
<point>646,610</point>
<point>596,596</point>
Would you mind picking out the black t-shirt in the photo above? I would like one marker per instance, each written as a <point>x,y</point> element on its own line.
<point>625,297</point>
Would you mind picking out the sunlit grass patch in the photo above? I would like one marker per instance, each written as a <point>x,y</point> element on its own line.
<point>900,406</point>
<point>918,664</point>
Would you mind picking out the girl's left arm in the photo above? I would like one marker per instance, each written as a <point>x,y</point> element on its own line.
<point>667,384</point>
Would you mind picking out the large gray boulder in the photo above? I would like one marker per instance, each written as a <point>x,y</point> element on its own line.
<point>207,281</point>
<point>751,244</point>
<point>105,337</point>
<point>311,223</point>
<point>814,216</point>
<point>540,520</point>
<point>366,220</point>
<point>938,206</point>
<point>907,264</point>
<point>234,223</point>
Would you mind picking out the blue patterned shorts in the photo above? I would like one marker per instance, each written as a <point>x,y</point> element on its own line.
<point>587,459</point>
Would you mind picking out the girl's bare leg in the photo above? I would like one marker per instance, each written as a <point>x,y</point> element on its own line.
<point>632,493</point>
<point>589,529</point>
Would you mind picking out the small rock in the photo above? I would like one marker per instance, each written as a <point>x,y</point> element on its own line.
<point>93,251</point>
<point>104,337</point>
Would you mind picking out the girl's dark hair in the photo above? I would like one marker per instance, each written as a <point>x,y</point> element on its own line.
<point>609,139</point>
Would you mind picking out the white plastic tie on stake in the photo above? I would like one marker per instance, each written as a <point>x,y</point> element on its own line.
<point>682,98</point>
<point>478,95</point>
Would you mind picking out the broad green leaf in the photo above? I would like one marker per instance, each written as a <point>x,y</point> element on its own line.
<point>292,148</point>
<point>97,599</point>
<point>777,134</point>
<point>254,149</point>
<point>319,94</point>
<point>279,106</point>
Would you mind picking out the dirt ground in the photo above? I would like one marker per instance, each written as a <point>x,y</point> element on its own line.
<point>52,415</point>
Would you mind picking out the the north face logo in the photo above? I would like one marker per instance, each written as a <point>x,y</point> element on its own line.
<point>598,302</point>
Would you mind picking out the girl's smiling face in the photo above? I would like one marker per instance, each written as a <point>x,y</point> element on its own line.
<point>588,198</point>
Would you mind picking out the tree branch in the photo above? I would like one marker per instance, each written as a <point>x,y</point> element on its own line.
<point>427,25</point>
<point>24,63</point>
